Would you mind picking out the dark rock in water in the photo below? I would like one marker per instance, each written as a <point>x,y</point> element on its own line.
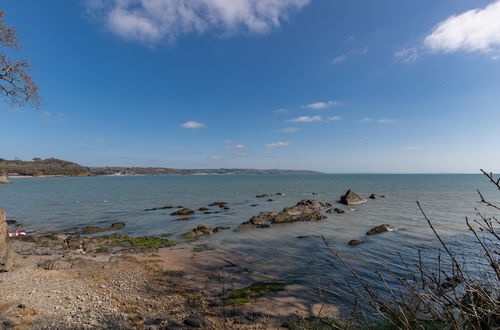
<point>262,195</point>
<point>160,208</point>
<point>376,196</point>
<point>117,225</point>
<point>279,194</point>
<point>226,208</point>
<point>202,209</point>
<point>253,205</point>
<point>184,211</point>
<point>202,230</point>
<point>194,322</point>
<point>94,229</point>
<point>314,194</point>
<point>179,207</point>
<point>270,200</point>
<point>335,211</point>
<point>182,219</point>
<point>305,210</point>
<point>219,204</point>
<point>378,229</point>
<point>302,237</point>
<point>355,242</point>
<point>11,222</point>
<point>351,198</point>
<point>7,256</point>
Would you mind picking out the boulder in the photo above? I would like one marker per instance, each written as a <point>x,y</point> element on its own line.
<point>219,204</point>
<point>184,211</point>
<point>262,195</point>
<point>3,179</point>
<point>335,210</point>
<point>355,242</point>
<point>378,229</point>
<point>305,210</point>
<point>376,196</point>
<point>351,198</point>
<point>7,256</point>
<point>203,209</point>
<point>202,230</point>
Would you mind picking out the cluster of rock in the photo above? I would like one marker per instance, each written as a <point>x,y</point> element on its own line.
<point>305,210</point>
<point>202,230</point>
<point>6,255</point>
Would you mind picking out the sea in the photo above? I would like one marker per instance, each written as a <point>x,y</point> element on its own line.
<point>43,204</point>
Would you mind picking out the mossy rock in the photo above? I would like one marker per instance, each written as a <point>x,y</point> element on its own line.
<point>151,242</point>
<point>188,235</point>
<point>166,235</point>
<point>94,229</point>
<point>244,295</point>
<point>201,248</point>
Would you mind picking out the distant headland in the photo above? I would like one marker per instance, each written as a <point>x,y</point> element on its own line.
<point>51,167</point>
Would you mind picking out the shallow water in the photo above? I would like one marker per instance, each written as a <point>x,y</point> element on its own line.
<point>57,203</point>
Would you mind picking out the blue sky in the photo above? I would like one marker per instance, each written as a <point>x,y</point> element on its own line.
<point>335,86</point>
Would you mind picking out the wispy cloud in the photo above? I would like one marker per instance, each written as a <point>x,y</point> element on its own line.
<point>340,58</point>
<point>322,105</point>
<point>278,111</point>
<point>306,119</point>
<point>364,120</point>
<point>278,144</point>
<point>476,30</point>
<point>407,55</point>
<point>386,120</point>
<point>334,118</point>
<point>192,125</point>
<point>48,116</point>
<point>235,147</point>
<point>215,157</point>
<point>152,21</point>
<point>287,130</point>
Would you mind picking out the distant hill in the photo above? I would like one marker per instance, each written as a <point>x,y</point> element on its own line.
<point>41,167</point>
<point>54,166</point>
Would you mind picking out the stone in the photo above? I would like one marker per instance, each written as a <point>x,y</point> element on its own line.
<point>7,256</point>
<point>202,230</point>
<point>335,211</point>
<point>378,229</point>
<point>184,211</point>
<point>376,196</point>
<point>4,179</point>
<point>203,209</point>
<point>193,322</point>
<point>262,195</point>
<point>219,204</point>
<point>160,208</point>
<point>351,198</point>
<point>355,242</point>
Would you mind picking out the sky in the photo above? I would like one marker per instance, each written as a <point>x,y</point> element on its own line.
<point>385,86</point>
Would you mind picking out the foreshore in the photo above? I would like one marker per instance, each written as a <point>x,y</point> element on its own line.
<point>61,280</point>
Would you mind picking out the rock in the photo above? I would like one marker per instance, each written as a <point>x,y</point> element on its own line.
<point>184,211</point>
<point>219,204</point>
<point>351,198</point>
<point>262,195</point>
<point>279,194</point>
<point>94,229</point>
<point>305,210</point>
<point>378,229</point>
<point>11,222</point>
<point>160,208</point>
<point>355,242</point>
<point>314,194</point>
<point>335,210</point>
<point>202,230</point>
<point>4,179</point>
<point>270,200</point>
<point>203,209</point>
<point>376,196</point>
<point>194,322</point>
<point>302,237</point>
<point>7,256</point>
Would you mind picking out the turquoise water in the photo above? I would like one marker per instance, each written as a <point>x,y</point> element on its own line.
<point>57,203</point>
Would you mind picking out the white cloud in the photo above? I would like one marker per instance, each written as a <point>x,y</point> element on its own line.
<point>334,118</point>
<point>192,125</point>
<point>236,147</point>
<point>151,21</point>
<point>340,58</point>
<point>278,144</point>
<point>322,105</point>
<point>306,119</point>
<point>215,157</point>
<point>288,130</point>
<point>281,111</point>
<point>386,120</point>
<point>408,55</point>
<point>476,30</point>
<point>364,120</point>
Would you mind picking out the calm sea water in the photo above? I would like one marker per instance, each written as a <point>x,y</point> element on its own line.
<point>57,203</point>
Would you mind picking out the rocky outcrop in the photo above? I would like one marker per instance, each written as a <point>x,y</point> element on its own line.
<point>6,255</point>
<point>202,230</point>
<point>351,198</point>
<point>183,212</point>
<point>335,211</point>
<point>379,229</point>
<point>3,179</point>
<point>376,196</point>
<point>305,210</point>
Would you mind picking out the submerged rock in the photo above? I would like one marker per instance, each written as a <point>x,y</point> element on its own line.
<point>262,195</point>
<point>94,229</point>
<point>355,242</point>
<point>335,210</point>
<point>202,230</point>
<point>305,210</point>
<point>219,204</point>
<point>379,229</point>
<point>184,211</point>
<point>351,198</point>
<point>376,196</point>
<point>203,209</point>
<point>160,208</point>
